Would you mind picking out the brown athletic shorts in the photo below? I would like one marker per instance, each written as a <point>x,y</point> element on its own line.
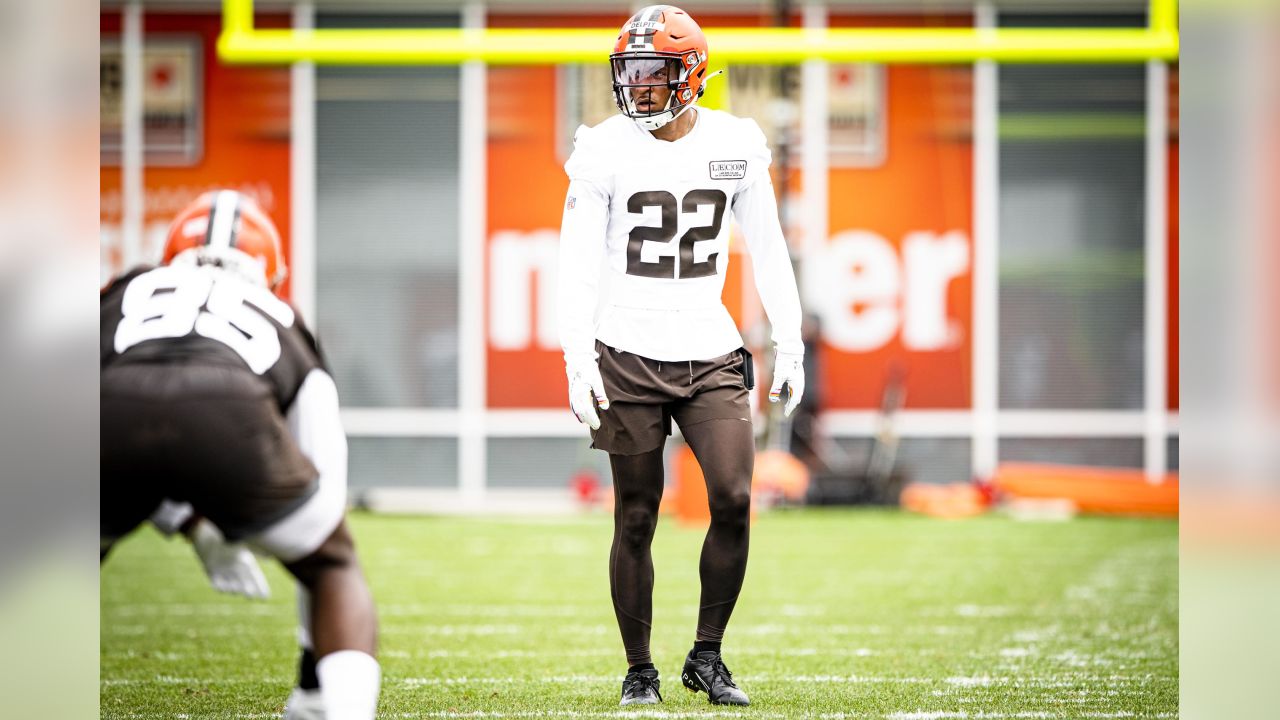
<point>644,396</point>
<point>208,435</point>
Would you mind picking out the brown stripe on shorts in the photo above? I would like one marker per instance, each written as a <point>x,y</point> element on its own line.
<point>646,394</point>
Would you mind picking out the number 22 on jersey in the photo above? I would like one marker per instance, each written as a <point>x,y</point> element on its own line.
<point>665,266</point>
<point>171,302</point>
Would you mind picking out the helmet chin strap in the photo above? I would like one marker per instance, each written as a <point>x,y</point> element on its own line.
<point>656,121</point>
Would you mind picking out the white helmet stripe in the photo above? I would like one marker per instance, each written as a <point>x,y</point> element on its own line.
<point>222,220</point>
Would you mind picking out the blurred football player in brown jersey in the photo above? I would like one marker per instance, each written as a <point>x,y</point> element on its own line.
<point>215,397</point>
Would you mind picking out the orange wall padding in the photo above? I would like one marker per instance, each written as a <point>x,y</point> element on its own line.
<point>1111,491</point>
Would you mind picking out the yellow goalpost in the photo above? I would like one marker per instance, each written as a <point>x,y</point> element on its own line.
<point>241,42</point>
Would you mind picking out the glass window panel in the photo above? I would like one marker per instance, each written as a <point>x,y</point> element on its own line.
<point>928,460</point>
<point>1071,232</point>
<point>542,462</point>
<point>1109,452</point>
<point>401,462</point>
<point>387,226</point>
<point>1072,176</point>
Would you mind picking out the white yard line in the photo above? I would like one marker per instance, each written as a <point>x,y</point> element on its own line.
<point>440,654</point>
<point>681,715</point>
<point>1069,680</point>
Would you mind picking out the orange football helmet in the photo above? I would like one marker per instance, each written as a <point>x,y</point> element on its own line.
<point>660,46</point>
<point>229,230</point>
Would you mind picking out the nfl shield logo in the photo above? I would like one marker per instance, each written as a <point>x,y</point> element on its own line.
<point>570,202</point>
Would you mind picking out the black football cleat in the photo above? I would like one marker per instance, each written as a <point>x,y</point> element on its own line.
<point>705,671</point>
<point>641,688</point>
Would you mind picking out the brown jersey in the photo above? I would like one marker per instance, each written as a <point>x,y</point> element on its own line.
<point>187,316</point>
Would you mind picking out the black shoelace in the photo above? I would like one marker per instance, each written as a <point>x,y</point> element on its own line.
<point>642,682</point>
<point>723,672</point>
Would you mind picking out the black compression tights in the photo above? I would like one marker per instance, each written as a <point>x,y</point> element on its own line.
<point>726,451</point>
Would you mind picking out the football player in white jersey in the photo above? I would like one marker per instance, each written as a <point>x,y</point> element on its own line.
<point>647,211</point>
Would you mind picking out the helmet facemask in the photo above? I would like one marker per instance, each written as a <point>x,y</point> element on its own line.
<point>638,77</point>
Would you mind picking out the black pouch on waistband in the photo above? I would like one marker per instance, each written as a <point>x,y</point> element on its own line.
<point>748,369</point>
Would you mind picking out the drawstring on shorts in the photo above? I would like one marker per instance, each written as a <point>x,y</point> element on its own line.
<point>690,370</point>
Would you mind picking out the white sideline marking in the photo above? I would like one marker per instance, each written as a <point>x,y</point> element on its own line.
<point>173,680</point>
<point>193,609</point>
<point>1035,635</point>
<point>487,629</point>
<point>440,653</point>
<point>485,611</point>
<point>681,715</point>
<point>1062,681</point>
<point>690,714</point>
<point>417,681</point>
<point>983,681</point>
<point>984,610</point>
<point>840,629</point>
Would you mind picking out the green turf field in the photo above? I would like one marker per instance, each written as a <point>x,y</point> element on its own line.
<point>845,614</point>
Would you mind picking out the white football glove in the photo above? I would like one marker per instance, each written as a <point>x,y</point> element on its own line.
<point>586,390</point>
<point>170,516</point>
<point>788,369</point>
<point>231,567</point>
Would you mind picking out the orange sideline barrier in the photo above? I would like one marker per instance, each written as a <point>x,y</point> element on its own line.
<point>1094,490</point>
<point>775,472</point>
<point>778,472</point>
<point>688,496</point>
<point>957,500</point>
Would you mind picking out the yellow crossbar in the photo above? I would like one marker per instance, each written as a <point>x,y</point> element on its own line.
<point>240,42</point>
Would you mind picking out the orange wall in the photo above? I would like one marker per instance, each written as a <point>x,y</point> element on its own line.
<point>246,133</point>
<point>925,184</point>
<point>526,192</point>
<point>1171,381</point>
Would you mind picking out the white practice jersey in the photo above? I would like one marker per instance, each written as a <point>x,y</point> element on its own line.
<point>654,216</point>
